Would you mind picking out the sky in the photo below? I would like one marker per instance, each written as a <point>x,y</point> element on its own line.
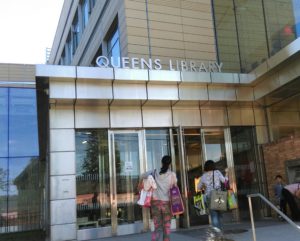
<point>27,29</point>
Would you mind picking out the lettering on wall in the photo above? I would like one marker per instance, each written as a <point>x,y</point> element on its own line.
<point>156,64</point>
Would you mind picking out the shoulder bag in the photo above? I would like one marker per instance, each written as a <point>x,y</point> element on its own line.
<point>218,198</point>
<point>176,202</point>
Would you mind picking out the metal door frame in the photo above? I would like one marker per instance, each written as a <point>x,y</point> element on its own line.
<point>182,161</point>
<point>126,228</point>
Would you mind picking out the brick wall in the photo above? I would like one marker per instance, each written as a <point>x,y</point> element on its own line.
<point>276,154</point>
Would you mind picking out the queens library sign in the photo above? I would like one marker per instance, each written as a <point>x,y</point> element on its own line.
<point>157,64</point>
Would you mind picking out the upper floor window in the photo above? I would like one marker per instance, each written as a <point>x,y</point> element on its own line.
<point>75,34</point>
<point>113,47</point>
<point>98,53</point>
<point>86,9</point>
<point>62,58</point>
<point>68,51</point>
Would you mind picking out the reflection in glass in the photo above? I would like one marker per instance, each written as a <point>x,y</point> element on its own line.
<point>127,165</point>
<point>243,145</point>
<point>252,33</point>
<point>3,122</point>
<point>158,145</point>
<point>225,24</point>
<point>193,156</point>
<point>249,32</point>
<point>281,23</point>
<point>21,172</point>
<point>24,193</point>
<point>23,132</point>
<point>113,48</point>
<point>215,147</point>
<point>92,179</point>
<point>3,194</point>
<point>296,9</point>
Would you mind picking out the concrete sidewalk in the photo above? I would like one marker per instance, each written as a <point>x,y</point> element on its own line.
<point>265,231</point>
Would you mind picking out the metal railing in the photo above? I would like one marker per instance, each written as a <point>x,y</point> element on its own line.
<point>286,218</point>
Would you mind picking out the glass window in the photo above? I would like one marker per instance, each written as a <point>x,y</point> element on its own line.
<point>68,50</point>
<point>21,199</point>
<point>92,2</point>
<point>296,9</point>
<point>225,24</point>
<point>23,131</point>
<point>92,179</point>
<point>75,33</point>
<point>113,47</point>
<point>158,145</point>
<point>243,146</point>
<point>24,193</point>
<point>3,122</point>
<point>248,32</point>
<point>251,33</point>
<point>215,147</point>
<point>85,12</point>
<point>3,192</point>
<point>98,53</point>
<point>62,58</point>
<point>127,168</point>
<point>281,23</point>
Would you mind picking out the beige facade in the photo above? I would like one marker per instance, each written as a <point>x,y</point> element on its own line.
<point>156,29</point>
<point>132,100</point>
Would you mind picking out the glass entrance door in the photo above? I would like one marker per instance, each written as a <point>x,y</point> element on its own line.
<point>126,159</point>
<point>193,148</point>
<point>194,166</point>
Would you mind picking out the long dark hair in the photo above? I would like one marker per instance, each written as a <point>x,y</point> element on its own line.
<point>209,165</point>
<point>165,161</point>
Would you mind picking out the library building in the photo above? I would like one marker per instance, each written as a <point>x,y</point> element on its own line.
<point>129,81</point>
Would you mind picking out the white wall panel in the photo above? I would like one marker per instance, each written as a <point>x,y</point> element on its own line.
<point>62,140</point>
<point>157,117</point>
<point>221,93</point>
<point>214,117</point>
<point>63,232</point>
<point>93,89</point>
<point>122,116</point>
<point>243,117</point>
<point>162,92</point>
<point>62,187</point>
<point>262,134</point>
<point>91,116</point>
<point>186,117</point>
<point>95,73</point>
<point>197,77</point>
<point>260,118</point>
<point>61,116</point>
<point>193,92</point>
<point>63,211</point>
<point>130,91</point>
<point>132,74</point>
<point>62,163</point>
<point>244,94</point>
<point>62,89</point>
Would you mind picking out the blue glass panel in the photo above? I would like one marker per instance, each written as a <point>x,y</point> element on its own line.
<point>24,194</point>
<point>23,131</point>
<point>296,7</point>
<point>3,192</point>
<point>3,122</point>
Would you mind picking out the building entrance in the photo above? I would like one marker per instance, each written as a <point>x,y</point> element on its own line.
<point>127,160</point>
<point>109,163</point>
<point>195,146</point>
<point>108,166</point>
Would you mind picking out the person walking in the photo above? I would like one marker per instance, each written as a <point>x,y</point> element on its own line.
<point>208,184</point>
<point>290,193</point>
<point>160,204</point>
<point>279,201</point>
